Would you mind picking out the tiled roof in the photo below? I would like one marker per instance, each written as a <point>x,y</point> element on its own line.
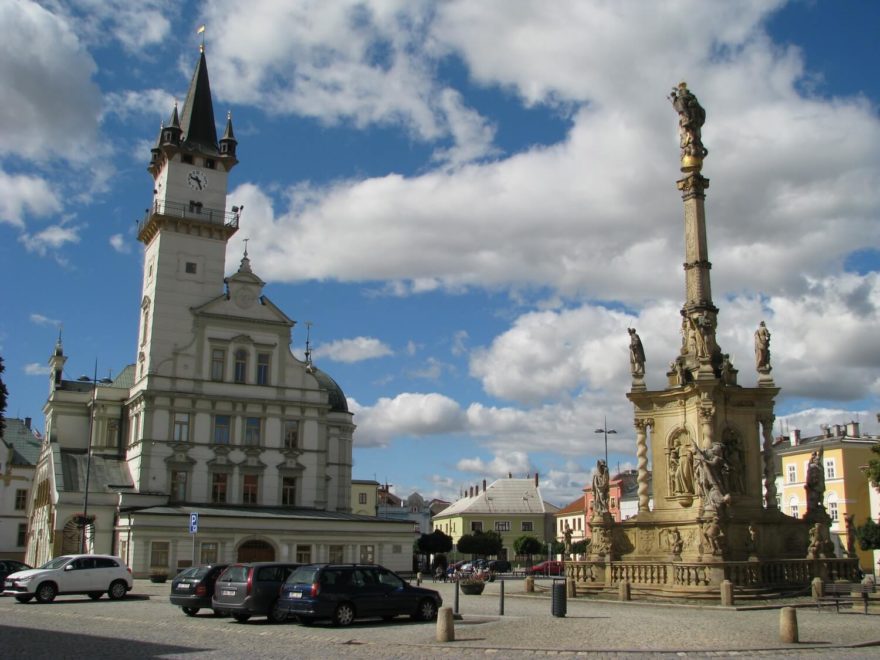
<point>259,512</point>
<point>104,471</point>
<point>24,442</point>
<point>578,506</point>
<point>510,496</point>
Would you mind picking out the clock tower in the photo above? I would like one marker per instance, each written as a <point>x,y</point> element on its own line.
<point>186,229</point>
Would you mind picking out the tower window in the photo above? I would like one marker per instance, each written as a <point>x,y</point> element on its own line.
<point>191,267</point>
<point>209,163</point>
<point>187,159</point>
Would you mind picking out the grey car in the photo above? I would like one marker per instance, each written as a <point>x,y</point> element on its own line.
<point>246,590</point>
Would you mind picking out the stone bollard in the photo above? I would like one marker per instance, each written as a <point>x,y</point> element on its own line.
<point>530,584</point>
<point>623,591</point>
<point>445,626</point>
<point>726,593</point>
<point>818,588</point>
<point>788,629</point>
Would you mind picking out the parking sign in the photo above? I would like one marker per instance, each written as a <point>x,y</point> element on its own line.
<point>193,523</point>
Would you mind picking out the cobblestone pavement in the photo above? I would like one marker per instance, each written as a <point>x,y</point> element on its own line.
<point>145,625</point>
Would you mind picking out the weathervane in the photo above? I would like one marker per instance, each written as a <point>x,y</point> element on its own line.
<point>309,366</point>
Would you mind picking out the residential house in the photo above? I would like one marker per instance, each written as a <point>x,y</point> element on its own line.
<point>20,448</point>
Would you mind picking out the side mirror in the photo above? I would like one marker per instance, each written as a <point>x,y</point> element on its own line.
<point>69,567</point>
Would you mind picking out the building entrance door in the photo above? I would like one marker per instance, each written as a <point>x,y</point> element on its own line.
<point>255,551</point>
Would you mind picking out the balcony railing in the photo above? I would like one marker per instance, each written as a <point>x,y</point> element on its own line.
<point>193,211</point>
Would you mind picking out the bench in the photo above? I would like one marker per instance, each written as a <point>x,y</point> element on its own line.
<point>845,592</point>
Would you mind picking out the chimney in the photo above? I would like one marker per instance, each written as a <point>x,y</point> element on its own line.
<point>826,431</point>
<point>837,431</point>
<point>484,485</point>
<point>471,491</point>
<point>536,478</point>
<point>27,423</point>
<point>852,429</point>
<point>795,437</point>
<point>510,475</point>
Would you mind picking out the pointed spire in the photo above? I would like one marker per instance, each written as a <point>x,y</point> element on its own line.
<point>197,119</point>
<point>174,122</point>
<point>245,266</point>
<point>59,348</point>
<point>228,141</point>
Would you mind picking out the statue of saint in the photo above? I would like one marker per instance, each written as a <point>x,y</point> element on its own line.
<point>815,482</point>
<point>711,477</point>
<point>684,471</point>
<point>636,354</point>
<point>567,536</point>
<point>691,117</point>
<point>762,348</point>
<point>600,488</point>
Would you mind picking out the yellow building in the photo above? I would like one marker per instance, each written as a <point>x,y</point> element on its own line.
<point>844,451</point>
<point>364,497</point>
<point>511,507</point>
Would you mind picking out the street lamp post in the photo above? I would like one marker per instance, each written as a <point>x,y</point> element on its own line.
<point>605,430</point>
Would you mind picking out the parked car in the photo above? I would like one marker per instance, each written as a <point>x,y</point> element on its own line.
<point>500,566</point>
<point>550,567</point>
<point>8,566</point>
<point>193,589</point>
<point>71,574</point>
<point>457,567</point>
<point>345,592</point>
<point>246,590</point>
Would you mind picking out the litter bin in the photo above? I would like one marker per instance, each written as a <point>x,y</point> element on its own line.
<point>558,603</point>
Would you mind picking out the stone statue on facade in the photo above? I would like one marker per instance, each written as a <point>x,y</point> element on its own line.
<point>711,469</point>
<point>682,470</point>
<point>600,488</point>
<point>691,117</point>
<point>762,348</point>
<point>636,354</point>
<point>713,537</point>
<point>676,543</point>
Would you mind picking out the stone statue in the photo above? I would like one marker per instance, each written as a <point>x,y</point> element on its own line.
<point>691,117</point>
<point>713,537</point>
<point>683,477</point>
<point>676,544</point>
<point>849,520</point>
<point>710,477</point>
<point>600,488</point>
<point>636,354</point>
<point>752,540</point>
<point>762,348</point>
<point>600,544</point>
<point>567,536</point>
<point>728,373</point>
<point>815,482</point>
<point>735,468</point>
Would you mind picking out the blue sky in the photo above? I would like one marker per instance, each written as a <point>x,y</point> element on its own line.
<point>471,202</point>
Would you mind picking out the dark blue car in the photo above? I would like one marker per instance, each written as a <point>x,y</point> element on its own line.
<point>342,593</point>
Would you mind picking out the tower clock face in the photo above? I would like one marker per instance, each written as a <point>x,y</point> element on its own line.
<point>197,180</point>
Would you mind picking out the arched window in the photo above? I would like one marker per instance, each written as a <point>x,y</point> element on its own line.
<point>240,366</point>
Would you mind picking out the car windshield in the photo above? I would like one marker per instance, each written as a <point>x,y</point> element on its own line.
<point>58,562</point>
<point>197,572</point>
<point>303,575</point>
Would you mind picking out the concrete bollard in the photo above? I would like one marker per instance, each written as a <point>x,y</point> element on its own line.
<point>445,626</point>
<point>623,591</point>
<point>788,628</point>
<point>818,588</point>
<point>530,584</point>
<point>726,593</point>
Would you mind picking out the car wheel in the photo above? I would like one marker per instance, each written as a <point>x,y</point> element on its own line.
<point>426,611</point>
<point>344,614</point>
<point>190,611</point>
<point>241,617</point>
<point>46,592</point>
<point>117,590</point>
<point>24,599</point>
<point>95,595</point>
<point>277,615</point>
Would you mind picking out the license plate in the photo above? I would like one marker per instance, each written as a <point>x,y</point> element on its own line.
<point>227,592</point>
<point>295,594</point>
<point>184,585</point>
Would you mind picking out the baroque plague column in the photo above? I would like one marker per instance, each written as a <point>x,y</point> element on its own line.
<point>714,514</point>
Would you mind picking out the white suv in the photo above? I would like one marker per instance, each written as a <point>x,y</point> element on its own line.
<point>71,574</point>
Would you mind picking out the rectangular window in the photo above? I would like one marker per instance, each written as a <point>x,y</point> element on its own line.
<point>476,526</point>
<point>178,485</point>
<point>240,374</point>
<point>209,163</point>
<point>191,267</point>
<point>263,368</point>
<point>832,511</point>
<point>794,510</point>
<point>336,554</point>
<point>792,473</point>
<point>159,554</point>
<point>208,553</point>
<point>22,535</point>
<point>21,496</point>
<point>112,433</point>
<point>219,482</point>
<point>288,491</point>
<point>303,554</point>
<point>362,498</point>
<point>502,525</point>
<point>252,431</point>
<point>218,360</point>
<point>291,434</point>
<point>367,554</point>
<point>221,429</point>
<point>612,503</point>
<point>527,526</point>
<point>829,468</point>
<point>249,488</point>
<point>181,427</point>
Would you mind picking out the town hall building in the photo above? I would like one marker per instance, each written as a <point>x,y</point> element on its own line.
<point>216,417</point>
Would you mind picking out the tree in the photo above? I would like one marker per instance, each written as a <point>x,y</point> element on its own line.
<point>869,535</point>
<point>3,393</point>
<point>580,547</point>
<point>434,543</point>
<point>872,470</point>
<point>480,543</point>
<point>527,545</point>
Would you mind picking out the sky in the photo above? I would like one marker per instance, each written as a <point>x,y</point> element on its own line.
<point>470,201</point>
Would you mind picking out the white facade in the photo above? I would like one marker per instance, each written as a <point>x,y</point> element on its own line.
<point>19,449</point>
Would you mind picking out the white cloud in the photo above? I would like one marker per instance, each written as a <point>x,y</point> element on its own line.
<point>22,195</point>
<point>50,239</point>
<point>407,414</point>
<point>433,369</point>
<point>353,350</point>
<point>135,25</point>
<point>118,243</point>
<point>514,462</point>
<point>40,319</point>
<point>37,369</point>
